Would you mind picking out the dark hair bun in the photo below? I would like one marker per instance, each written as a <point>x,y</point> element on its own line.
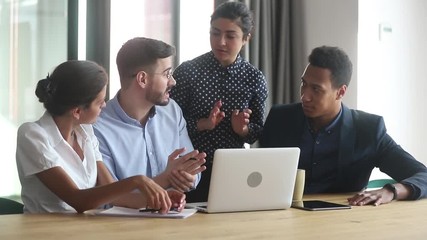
<point>42,90</point>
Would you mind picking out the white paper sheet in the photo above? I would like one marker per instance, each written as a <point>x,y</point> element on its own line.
<point>130,212</point>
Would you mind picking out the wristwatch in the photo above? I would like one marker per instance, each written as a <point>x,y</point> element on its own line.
<point>392,188</point>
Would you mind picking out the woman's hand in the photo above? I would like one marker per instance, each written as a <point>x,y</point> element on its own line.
<point>178,200</point>
<point>215,117</point>
<point>156,196</point>
<point>240,121</point>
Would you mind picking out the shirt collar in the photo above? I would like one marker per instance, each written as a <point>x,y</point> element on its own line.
<point>152,112</point>
<point>334,123</point>
<point>329,128</point>
<point>233,68</point>
<point>123,115</point>
<point>52,130</point>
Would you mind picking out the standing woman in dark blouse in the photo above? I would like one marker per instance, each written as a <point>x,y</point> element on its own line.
<point>221,94</point>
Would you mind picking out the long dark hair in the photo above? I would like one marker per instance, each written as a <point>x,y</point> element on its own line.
<point>72,83</point>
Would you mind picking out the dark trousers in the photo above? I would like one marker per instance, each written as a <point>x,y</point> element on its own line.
<point>200,194</point>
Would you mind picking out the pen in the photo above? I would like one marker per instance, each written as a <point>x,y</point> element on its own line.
<point>148,210</point>
<point>172,210</point>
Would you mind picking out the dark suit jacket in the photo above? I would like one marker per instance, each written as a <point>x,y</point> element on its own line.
<point>363,145</point>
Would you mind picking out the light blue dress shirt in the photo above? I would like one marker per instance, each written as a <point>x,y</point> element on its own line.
<point>129,148</point>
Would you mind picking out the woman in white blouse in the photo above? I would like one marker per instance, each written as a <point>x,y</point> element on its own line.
<point>59,164</point>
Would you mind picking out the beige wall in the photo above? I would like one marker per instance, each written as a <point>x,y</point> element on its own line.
<point>389,77</point>
<point>334,23</point>
<point>392,79</point>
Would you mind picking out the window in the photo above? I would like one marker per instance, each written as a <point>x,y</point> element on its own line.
<point>194,28</point>
<point>33,39</point>
<point>136,18</point>
<point>155,19</point>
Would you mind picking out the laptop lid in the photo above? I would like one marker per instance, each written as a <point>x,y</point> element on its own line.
<point>252,179</point>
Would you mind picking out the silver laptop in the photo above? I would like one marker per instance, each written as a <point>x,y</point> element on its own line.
<point>251,179</point>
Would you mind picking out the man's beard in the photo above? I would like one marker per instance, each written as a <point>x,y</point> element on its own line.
<point>159,99</point>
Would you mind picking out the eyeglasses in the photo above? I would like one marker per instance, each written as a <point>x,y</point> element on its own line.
<point>168,73</point>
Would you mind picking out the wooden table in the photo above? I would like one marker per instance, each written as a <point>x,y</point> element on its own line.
<point>398,220</point>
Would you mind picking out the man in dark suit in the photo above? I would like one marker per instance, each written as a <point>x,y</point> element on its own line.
<point>340,146</point>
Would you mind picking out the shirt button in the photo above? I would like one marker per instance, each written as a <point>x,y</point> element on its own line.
<point>317,142</point>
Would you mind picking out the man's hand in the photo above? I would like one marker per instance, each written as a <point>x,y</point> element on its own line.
<point>215,117</point>
<point>240,121</point>
<point>183,178</point>
<point>380,196</point>
<point>181,171</point>
<point>375,197</point>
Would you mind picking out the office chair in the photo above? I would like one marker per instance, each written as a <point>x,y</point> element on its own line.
<point>8,206</point>
<point>379,183</point>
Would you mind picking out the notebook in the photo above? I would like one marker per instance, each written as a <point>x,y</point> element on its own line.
<point>251,179</point>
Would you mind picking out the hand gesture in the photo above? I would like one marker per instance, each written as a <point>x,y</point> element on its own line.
<point>215,117</point>
<point>182,170</point>
<point>178,200</point>
<point>157,197</point>
<point>375,197</point>
<point>240,121</point>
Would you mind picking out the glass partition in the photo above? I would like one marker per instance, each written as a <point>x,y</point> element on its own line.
<point>33,39</point>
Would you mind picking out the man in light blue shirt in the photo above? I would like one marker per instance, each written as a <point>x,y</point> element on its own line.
<point>142,130</point>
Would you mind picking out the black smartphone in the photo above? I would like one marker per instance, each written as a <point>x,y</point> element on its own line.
<point>318,205</point>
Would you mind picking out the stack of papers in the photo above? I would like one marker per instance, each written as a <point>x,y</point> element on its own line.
<point>130,212</point>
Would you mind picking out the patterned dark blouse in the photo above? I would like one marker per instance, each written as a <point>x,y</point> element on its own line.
<point>203,81</point>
